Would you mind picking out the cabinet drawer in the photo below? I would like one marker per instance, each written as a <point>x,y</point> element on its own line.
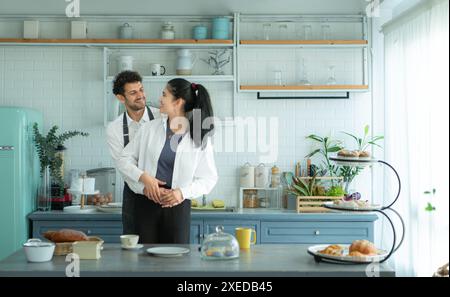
<point>109,231</point>
<point>315,232</point>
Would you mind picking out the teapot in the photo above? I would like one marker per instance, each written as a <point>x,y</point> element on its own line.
<point>185,62</point>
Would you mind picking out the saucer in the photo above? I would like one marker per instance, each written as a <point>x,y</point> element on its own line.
<point>136,247</point>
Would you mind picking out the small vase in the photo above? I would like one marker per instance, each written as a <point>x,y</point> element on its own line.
<point>44,192</point>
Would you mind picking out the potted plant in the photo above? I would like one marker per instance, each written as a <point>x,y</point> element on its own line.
<point>328,145</point>
<point>312,192</point>
<point>50,148</point>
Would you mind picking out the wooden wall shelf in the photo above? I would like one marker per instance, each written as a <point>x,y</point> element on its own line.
<point>117,41</point>
<point>305,42</point>
<point>300,88</point>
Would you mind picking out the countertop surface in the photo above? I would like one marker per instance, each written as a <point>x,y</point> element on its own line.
<point>261,260</point>
<point>275,214</point>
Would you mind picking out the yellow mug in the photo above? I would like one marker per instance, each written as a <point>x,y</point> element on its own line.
<point>244,235</point>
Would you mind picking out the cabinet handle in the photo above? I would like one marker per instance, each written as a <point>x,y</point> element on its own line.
<point>317,232</point>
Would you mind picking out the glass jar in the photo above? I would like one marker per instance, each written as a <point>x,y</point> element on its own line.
<point>220,246</point>
<point>167,31</point>
<point>250,199</point>
<point>44,194</point>
<point>275,178</point>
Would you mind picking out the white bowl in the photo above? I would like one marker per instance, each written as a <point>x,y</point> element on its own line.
<point>38,251</point>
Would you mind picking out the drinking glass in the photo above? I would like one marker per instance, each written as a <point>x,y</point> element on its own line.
<point>307,32</point>
<point>283,32</point>
<point>278,78</point>
<point>304,74</point>
<point>331,76</point>
<point>326,32</point>
<point>266,31</point>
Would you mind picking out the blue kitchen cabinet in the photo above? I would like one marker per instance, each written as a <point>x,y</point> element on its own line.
<point>315,232</point>
<point>196,231</point>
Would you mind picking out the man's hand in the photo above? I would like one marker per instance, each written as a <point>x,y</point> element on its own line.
<point>151,187</point>
<point>172,198</point>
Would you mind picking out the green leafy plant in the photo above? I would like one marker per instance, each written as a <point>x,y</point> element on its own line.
<point>301,187</point>
<point>335,191</point>
<point>49,148</point>
<point>430,206</point>
<point>364,142</point>
<point>327,146</point>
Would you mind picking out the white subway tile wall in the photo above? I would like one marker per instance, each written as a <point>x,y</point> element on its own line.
<point>66,84</point>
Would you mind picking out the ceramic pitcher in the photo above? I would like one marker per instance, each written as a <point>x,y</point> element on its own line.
<point>185,61</point>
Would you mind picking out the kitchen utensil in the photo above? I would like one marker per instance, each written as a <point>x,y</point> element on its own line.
<point>244,237</point>
<point>38,251</point>
<point>185,62</point>
<point>219,246</point>
<point>126,31</point>
<point>157,69</point>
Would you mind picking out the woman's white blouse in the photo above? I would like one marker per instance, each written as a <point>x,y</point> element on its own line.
<point>194,172</point>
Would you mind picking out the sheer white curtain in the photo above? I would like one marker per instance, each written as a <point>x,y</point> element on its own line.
<point>417,132</point>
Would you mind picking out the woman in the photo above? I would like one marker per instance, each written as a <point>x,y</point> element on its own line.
<point>172,158</point>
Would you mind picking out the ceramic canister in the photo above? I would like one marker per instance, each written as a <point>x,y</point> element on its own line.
<point>247,176</point>
<point>220,28</point>
<point>125,63</point>
<point>261,176</point>
<point>126,31</point>
<point>200,32</point>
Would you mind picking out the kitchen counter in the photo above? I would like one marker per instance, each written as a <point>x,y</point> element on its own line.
<point>261,260</point>
<point>242,214</point>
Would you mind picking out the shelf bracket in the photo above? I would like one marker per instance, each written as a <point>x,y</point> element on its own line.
<point>347,96</point>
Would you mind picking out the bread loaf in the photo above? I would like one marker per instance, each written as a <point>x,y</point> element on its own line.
<point>65,235</point>
<point>364,247</point>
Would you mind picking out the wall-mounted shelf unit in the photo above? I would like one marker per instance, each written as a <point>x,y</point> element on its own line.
<point>309,51</point>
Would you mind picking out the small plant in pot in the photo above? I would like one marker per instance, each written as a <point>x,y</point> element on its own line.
<point>49,148</point>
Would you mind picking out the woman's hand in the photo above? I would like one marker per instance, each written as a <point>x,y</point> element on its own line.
<point>151,189</point>
<point>172,198</point>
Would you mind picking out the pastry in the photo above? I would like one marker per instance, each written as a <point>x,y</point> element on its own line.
<point>364,154</point>
<point>65,235</point>
<point>365,247</point>
<point>333,250</point>
<point>347,153</point>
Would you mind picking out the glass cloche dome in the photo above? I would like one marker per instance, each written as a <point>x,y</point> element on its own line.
<point>220,246</point>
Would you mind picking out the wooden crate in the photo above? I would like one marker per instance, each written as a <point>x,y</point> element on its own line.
<point>314,203</point>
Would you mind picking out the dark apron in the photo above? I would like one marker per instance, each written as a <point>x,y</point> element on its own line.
<point>128,198</point>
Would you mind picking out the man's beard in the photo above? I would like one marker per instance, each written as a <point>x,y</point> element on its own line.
<point>135,107</point>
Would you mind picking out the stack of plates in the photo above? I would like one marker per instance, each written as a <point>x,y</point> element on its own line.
<point>114,207</point>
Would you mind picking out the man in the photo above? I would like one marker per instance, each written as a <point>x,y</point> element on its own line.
<point>128,89</point>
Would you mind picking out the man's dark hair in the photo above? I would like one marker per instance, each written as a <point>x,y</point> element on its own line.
<point>123,78</point>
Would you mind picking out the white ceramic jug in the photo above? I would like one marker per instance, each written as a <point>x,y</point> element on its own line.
<point>185,62</point>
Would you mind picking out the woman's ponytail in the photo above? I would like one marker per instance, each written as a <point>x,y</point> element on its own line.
<point>197,106</point>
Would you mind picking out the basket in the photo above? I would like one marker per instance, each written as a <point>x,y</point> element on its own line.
<point>64,248</point>
<point>314,203</point>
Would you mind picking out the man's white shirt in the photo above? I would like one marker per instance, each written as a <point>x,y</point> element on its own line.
<point>114,138</point>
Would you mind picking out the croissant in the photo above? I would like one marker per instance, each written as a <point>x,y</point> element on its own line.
<point>365,247</point>
<point>334,250</point>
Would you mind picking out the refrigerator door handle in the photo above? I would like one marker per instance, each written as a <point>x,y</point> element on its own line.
<point>6,147</point>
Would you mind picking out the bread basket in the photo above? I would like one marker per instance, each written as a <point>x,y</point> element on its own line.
<point>64,248</point>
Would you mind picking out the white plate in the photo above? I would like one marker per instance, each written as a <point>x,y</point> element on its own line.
<point>109,209</point>
<point>349,207</point>
<point>77,209</point>
<point>366,259</point>
<point>167,251</point>
<point>114,204</point>
<point>136,247</point>
<point>72,191</point>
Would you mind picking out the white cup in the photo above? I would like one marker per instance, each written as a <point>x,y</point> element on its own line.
<point>157,69</point>
<point>129,240</point>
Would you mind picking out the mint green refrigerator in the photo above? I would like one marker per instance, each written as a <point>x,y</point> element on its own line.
<point>19,175</point>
